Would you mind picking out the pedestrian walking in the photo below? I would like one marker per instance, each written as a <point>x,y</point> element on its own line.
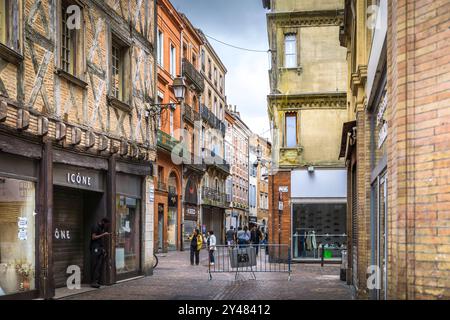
<point>243,237</point>
<point>211,242</point>
<point>256,237</point>
<point>266,241</point>
<point>196,240</point>
<point>98,252</point>
<point>231,236</point>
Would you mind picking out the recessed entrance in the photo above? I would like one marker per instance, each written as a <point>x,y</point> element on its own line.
<point>75,212</point>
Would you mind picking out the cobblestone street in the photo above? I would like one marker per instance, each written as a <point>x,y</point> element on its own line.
<point>176,279</point>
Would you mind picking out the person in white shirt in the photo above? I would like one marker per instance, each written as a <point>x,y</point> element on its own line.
<point>211,241</point>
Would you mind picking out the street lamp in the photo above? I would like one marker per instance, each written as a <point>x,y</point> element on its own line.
<point>179,89</point>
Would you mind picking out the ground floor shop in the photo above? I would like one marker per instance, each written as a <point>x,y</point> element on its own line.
<point>50,201</point>
<point>191,206</point>
<point>168,206</point>
<point>213,219</point>
<point>308,213</point>
<point>318,214</point>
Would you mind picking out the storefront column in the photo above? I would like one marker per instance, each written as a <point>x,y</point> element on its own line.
<point>111,214</point>
<point>148,225</point>
<point>45,218</point>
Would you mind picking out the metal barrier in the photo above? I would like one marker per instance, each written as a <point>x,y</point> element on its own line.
<point>251,259</point>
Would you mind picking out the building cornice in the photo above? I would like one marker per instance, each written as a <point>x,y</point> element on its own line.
<point>336,100</point>
<point>308,18</point>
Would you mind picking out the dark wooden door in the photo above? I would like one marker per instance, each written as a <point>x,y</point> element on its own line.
<point>68,242</point>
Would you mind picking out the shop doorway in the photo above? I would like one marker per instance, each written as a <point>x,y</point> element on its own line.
<point>172,215</point>
<point>160,227</point>
<point>75,212</point>
<point>213,219</point>
<point>381,235</point>
<point>128,237</point>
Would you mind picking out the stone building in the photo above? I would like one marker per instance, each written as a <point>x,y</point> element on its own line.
<point>76,141</point>
<point>396,148</point>
<point>307,106</point>
<point>264,153</point>
<point>213,198</point>
<point>239,135</point>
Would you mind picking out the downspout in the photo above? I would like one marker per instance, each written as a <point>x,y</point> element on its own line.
<point>155,94</point>
<point>182,165</point>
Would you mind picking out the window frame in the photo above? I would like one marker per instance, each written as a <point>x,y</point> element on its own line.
<point>294,116</point>
<point>294,54</point>
<point>173,60</point>
<point>11,48</point>
<point>160,48</point>
<point>123,101</point>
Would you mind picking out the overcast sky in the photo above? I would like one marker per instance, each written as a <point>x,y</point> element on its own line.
<point>241,23</point>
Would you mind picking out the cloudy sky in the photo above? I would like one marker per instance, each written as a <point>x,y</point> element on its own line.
<point>240,23</point>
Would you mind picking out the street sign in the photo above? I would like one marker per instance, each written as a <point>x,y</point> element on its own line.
<point>280,205</point>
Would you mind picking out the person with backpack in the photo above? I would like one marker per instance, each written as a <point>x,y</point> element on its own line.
<point>243,237</point>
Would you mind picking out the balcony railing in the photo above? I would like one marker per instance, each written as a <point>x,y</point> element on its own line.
<point>212,120</point>
<point>193,162</point>
<point>166,141</point>
<point>214,198</point>
<point>212,159</point>
<point>190,114</point>
<point>193,76</point>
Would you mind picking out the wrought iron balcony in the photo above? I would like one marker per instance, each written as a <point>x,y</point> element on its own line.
<point>190,114</point>
<point>212,120</point>
<point>214,198</point>
<point>193,76</point>
<point>193,162</point>
<point>212,159</point>
<point>166,141</point>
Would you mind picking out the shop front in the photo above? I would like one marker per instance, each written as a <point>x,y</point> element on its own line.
<point>78,203</point>
<point>128,224</point>
<point>379,188</point>
<point>214,220</point>
<point>85,190</point>
<point>190,211</point>
<point>172,219</point>
<point>319,208</point>
<point>18,226</point>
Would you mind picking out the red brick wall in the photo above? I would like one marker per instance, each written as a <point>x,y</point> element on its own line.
<point>282,178</point>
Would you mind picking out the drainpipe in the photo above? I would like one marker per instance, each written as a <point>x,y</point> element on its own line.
<point>183,133</point>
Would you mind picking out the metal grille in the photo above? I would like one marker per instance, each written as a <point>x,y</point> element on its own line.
<point>354,209</point>
<point>115,85</point>
<point>354,246</point>
<point>66,45</point>
<point>253,258</point>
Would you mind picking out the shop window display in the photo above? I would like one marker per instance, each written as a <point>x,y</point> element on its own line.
<point>128,235</point>
<point>17,236</point>
<point>319,228</point>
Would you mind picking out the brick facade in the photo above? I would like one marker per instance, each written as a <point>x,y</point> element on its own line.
<point>417,151</point>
